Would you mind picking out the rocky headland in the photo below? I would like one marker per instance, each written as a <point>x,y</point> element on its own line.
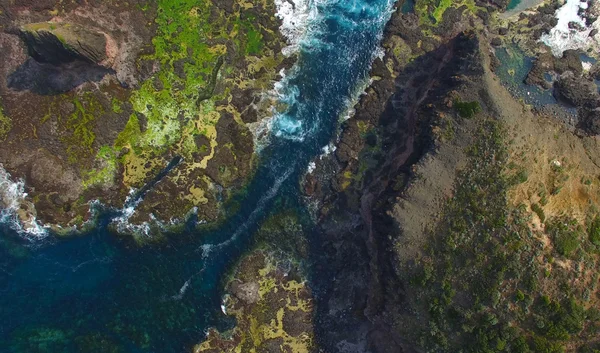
<point>470,215</point>
<point>455,213</point>
<point>98,98</point>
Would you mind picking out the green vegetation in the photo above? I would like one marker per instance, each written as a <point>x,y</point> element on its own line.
<point>79,127</point>
<point>5,125</point>
<point>202,63</point>
<point>467,109</point>
<point>273,308</point>
<point>116,106</point>
<point>539,211</point>
<point>594,231</point>
<point>566,234</point>
<point>431,12</point>
<point>106,173</point>
<point>486,283</point>
<point>254,43</point>
<point>178,103</point>
<point>187,62</point>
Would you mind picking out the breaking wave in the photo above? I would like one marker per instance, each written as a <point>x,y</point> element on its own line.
<point>16,211</point>
<point>308,25</point>
<point>571,31</point>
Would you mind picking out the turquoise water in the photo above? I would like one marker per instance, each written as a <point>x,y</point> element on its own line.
<point>513,69</point>
<point>99,291</point>
<point>513,4</point>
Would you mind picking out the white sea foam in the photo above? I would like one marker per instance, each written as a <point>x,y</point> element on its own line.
<point>327,150</point>
<point>182,290</point>
<point>122,223</point>
<point>295,16</point>
<point>16,210</point>
<point>561,37</point>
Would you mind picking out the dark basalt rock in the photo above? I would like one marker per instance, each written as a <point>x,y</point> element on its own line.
<point>496,41</point>
<point>63,56</point>
<point>590,120</point>
<point>576,26</point>
<point>59,43</point>
<point>576,91</point>
<point>547,63</point>
<point>543,64</point>
<point>570,61</point>
<point>595,71</point>
<point>499,4</point>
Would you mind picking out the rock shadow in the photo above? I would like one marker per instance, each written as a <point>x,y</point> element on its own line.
<point>47,79</point>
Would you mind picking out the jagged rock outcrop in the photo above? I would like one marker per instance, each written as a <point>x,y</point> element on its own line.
<point>577,92</point>
<point>590,120</point>
<point>546,63</point>
<point>59,43</point>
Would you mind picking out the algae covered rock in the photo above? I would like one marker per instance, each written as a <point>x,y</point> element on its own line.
<point>273,307</point>
<point>58,43</point>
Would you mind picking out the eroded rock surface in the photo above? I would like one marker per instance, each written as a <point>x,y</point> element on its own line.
<point>59,42</point>
<point>273,308</point>
<point>110,93</point>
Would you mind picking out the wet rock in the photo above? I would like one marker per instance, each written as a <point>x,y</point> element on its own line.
<point>595,71</point>
<point>547,9</point>
<point>58,43</point>
<point>570,61</point>
<point>500,4</point>
<point>543,64</point>
<point>576,26</point>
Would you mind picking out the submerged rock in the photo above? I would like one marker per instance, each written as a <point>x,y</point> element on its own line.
<point>58,43</point>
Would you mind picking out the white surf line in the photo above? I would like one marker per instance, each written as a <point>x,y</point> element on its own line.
<point>122,221</point>
<point>305,32</point>
<point>295,16</point>
<point>18,212</point>
<point>562,37</point>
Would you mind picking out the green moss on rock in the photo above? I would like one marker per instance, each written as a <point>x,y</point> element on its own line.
<point>5,125</point>
<point>273,311</point>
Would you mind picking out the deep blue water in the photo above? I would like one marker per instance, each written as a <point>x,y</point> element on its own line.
<point>409,6</point>
<point>65,294</point>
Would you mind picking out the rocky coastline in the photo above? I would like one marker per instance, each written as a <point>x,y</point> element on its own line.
<point>97,100</point>
<point>449,215</point>
<point>398,159</point>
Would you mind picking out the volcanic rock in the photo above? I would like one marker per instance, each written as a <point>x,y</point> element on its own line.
<point>577,92</point>
<point>59,43</point>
